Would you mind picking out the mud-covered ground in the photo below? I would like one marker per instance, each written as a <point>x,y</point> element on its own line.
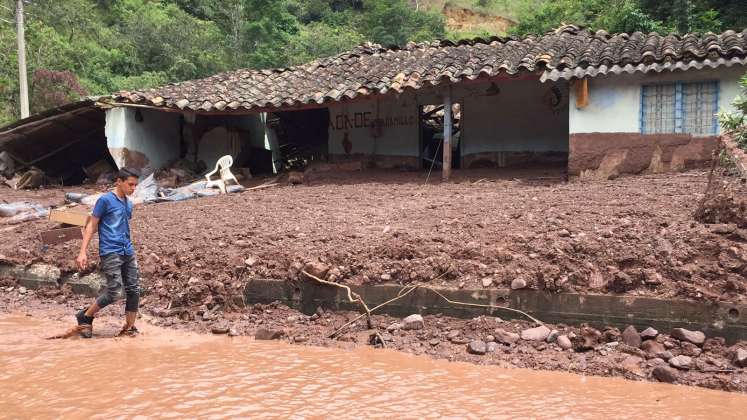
<point>482,340</point>
<point>633,235</point>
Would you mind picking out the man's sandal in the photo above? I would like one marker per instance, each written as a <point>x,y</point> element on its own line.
<point>85,324</point>
<point>129,332</point>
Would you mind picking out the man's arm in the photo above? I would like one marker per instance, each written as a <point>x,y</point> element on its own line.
<point>91,227</point>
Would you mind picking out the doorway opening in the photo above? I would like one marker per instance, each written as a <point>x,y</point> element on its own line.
<point>431,121</point>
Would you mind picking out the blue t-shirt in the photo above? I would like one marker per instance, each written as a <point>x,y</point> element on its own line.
<point>114,224</point>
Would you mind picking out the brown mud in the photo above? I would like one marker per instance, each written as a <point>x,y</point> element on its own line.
<point>631,236</point>
<point>594,353</point>
<point>167,373</point>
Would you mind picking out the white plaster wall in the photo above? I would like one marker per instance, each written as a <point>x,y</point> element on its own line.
<point>217,143</point>
<point>515,120</point>
<point>156,136</point>
<point>399,136</point>
<point>255,125</point>
<point>615,101</point>
<point>115,128</point>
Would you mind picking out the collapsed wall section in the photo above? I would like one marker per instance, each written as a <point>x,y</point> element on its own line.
<point>141,138</point>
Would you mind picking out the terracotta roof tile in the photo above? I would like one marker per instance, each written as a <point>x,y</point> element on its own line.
<point>372,69</point>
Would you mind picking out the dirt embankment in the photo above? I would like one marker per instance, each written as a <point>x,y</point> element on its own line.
<point>633,235</point>
<point>459,19</point>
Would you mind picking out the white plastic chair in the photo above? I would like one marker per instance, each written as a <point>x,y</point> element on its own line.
<point>224,165</point>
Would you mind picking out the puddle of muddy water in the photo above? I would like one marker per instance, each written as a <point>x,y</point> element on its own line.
<point>177,375</point>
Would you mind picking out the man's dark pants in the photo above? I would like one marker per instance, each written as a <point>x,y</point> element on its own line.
<point>121,273</point>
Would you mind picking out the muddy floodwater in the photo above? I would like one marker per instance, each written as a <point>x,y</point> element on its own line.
<point>171,374</point>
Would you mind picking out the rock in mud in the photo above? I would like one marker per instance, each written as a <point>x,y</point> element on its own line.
<point>631,337</point>
<point>665,355</point>
<point>220,329</point>
<point>586,340</point>
<point>477,347</point>
<point>518,283</point>
<point>622,282</point>
<point>649,333</point>
<point>695,337</point>
<point>487,282</point>
<point>652,347</point>
<point>453,334</point>
<point>632,364</point>
<point>564,342</point>
<point>492,347</point>
<point>316,269</point>
<point>394,327</point>
<point>740,358</point>
<point>505,337</point>
<point>690,349</point>
<point>553,336</point>
<point>535,334</point>
<point>413,322</point>
<point>651,277</point>
<point>268,334</point>
<point>665,374</point>
<point>681,362</point>
<point>611,334</point>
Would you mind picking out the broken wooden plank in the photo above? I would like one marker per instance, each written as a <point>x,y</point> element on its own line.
<point>582,93</point>
<point>58,236</point>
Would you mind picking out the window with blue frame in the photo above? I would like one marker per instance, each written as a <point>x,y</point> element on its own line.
<point>680,108</point>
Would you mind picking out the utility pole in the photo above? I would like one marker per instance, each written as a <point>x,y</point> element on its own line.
<point>23,82</point>
<point>446,160</point>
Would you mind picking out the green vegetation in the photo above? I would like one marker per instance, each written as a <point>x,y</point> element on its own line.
<point>736,122</point>
<point>633,15</point>
<point>91,47</point>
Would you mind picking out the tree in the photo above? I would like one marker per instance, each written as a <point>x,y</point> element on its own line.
<point>50,88</point>
<point>612,16</point>
<point>394,22</point>
<point>267,32</point>
<point>318,39</point>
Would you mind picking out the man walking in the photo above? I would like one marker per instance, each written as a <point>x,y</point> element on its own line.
<point>111,218</point>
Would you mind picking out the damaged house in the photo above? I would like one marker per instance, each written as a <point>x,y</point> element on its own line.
<point>591,103</point>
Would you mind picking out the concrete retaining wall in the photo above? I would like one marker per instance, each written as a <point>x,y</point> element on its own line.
<point>715,319</point>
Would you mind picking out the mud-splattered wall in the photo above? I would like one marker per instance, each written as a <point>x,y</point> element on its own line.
<point>524,121</point>
<point>142,138</point>
<point>605,138</point>
<point>383,132</point>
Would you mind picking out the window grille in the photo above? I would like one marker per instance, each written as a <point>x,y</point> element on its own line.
<point>659,109</point>
<point>699,107</point>
<point>680,108</point>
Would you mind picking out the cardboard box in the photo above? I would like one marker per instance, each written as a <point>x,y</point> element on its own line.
<point>73,217</point>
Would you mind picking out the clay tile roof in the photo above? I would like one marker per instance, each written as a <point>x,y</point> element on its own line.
<point>369,69</point>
